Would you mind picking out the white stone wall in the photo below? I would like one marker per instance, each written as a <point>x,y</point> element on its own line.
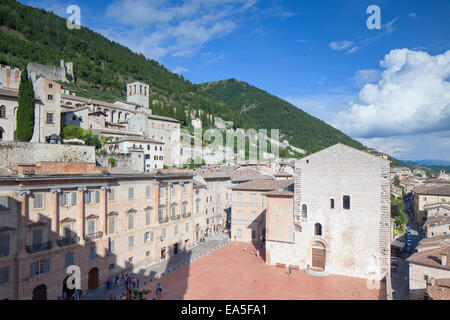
<point>417,281</point>
<point>356,240</point>
<point>22,152</point>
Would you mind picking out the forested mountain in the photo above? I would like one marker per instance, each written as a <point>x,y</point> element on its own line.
<point>267,111</point>
<point>103,67</point>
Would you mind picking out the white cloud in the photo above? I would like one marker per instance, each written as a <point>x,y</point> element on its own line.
<point>413,96</point>
<point>302,40</point>
<point>180,69</point>
<point>158,28</point>
<point>340,45</point>
<point>365,76</point>
<point>413,15</point>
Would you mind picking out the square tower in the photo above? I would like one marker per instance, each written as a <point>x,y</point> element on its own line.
<point>138,92</point>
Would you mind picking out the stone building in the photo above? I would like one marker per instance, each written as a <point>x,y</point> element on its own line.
<point>341,219</point>
<point>103,223</point>
<point>9,77</point>
<point>217,200</point>
<point>248,222</point>
<point>153,151</point>
<point>36,70</point>
<point>47,111</point>
<point>427,264</point>
<point>428,195</point>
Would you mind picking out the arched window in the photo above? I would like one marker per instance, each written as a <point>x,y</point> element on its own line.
<point>318,229</point>
<point>2,112</point>
<point>304,211</point>
<point>332,203</point>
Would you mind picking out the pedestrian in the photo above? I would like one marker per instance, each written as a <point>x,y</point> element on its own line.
<point>290,271</point>
<point>157,288</point>
<point>138,286</point>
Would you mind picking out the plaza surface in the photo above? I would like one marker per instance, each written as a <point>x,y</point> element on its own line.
<point>229,273</point>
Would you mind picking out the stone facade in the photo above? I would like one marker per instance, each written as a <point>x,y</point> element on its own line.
<point>353,232</point>
<point>36,70</point>
<point>105,224</point>
<point>9,77</point>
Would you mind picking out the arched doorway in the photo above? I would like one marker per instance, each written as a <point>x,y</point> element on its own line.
<point>66,290</point>
<point>318,255</point>
<point>93,279</point>
<point>40,292</point>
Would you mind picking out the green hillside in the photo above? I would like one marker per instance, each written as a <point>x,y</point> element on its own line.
<point>267,111</point>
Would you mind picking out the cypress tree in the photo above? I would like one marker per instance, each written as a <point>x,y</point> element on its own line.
<point>25,110</point>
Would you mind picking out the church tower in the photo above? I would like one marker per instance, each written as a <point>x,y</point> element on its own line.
<point>138,92</point>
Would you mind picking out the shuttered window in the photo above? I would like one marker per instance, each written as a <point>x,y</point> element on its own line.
<point>4,203</point>
<point>38,201</point>
<point>39,267</point>
<point>111,194</point>
<point>37,236</point>
<point>148,191</point>
<point>131,241</point>
<point>69,259</point>
<point>4,245</point>
<point>130,193</point>
<point>4,275</point>
<point>147,217</point>
<point>93,253</point>
<point>131,221</point>
<point>111,224</point>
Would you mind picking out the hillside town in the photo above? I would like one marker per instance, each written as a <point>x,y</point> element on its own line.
<point>130,206</point>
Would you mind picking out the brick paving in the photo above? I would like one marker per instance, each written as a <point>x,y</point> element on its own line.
<point>230,274</point>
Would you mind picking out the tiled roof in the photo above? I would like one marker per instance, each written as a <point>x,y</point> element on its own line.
<point>433,221</point>
<point>283,174</point>
<point>443,190</point>
<point>438,289</point>
<point>279,193</point>
<point>265,185</point>
<point>431,258</point>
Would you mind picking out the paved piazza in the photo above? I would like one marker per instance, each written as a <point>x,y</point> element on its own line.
<point>230,274</point>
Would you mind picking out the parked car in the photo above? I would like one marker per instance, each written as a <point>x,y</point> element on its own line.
<point>408,249</point>
<point>393,268</point>
<point>394,261</point>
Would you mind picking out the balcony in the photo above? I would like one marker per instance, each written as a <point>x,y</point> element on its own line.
<point>93,236</point>
<point>39,247</point>
<point>177,217</point>
<point>163,220</point>
<point>67,241</point>
<point>186,215</point>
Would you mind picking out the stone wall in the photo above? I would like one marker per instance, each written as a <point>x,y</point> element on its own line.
<point>12,153</point>
<point>132,161</point>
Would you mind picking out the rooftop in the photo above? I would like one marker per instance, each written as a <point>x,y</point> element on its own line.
<point>431,258</point>
<point>434,190</point>
<point>265,185</point>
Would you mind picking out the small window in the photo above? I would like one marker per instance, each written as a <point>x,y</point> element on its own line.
<point>131,241</point>
<point>111,195</point>
<point>111,224</point>
<point>318,229</point>
<point>2,111</point>
<point>50,97</point>
<point>304,211</point>
<point>4,245</point>
<point>332,203</point>
<point>187,226</point>
<point>50,85</point>
<point>147,217</point>
<point>346,202</point>
<point>176,229</point>
<point>93,253</point>
<point>4,275</point>
<point>38,202</point>
<point>146,236</point>
<point>130,193</point>
<point>147,191</point>
<point>130,221</point>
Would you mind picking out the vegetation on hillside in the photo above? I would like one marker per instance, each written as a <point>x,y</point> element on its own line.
<point>266,111</point>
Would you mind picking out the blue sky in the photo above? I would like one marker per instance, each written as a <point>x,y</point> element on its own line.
<point>388,88</point>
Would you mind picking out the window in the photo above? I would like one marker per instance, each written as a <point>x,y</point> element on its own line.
<point>130,221</point>
<point>184,208</point>
<point>332,203</point>
<point>67,230</point>
<point>112,246</point>
<point>50,85</point>
<point>173,189</point>
<point>304,211</point>
<point>163,233</point>
<point>38,201</point>
<point>68,198</point>
<point>131,241</point>
<point>318,229</point>
<point>346,202</point>
<point>69,259</point>
<point>93,253</point>
<point>4,203</point>
<point>130,259</point>
<point>91,226</point>
<point>197,206</point>
<point>147,191</point>
<point>111,224</point>
<point>187,226</point>
<point>4,275</point>
<point>111,195</point>
<point>49,118</point>
<point>50,97</point>
<point>173,211</point>
<point>130,193</point>
<point>37,236</point>
<point>146,236</point>
<point>112,266</point>
<point>4,245</point>
<point>176,229</point>
<point>147,217</point>
<point>147,253</point>
<point>39,267</point>
<point>2,112</point>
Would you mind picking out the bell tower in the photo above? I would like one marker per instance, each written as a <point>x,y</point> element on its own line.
<point>138,92</point>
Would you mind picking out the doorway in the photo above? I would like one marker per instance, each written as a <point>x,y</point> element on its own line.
<point>318,256</point>
<point>40,292</point>
<point>175,248</point>
<point>93,279</point>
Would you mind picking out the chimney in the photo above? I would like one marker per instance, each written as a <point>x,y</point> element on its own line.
<point>443,259</point>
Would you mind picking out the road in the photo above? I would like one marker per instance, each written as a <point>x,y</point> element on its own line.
<point>400,279</point>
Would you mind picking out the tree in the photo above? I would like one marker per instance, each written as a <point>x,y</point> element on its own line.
<point>25,110</point>
<point>396,181</point>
